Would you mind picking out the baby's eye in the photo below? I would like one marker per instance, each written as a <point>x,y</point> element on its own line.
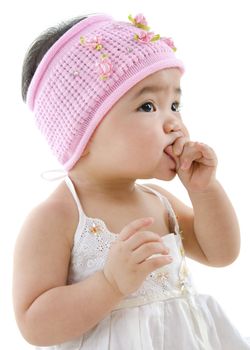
<point>176,106</point>
<point>147,107</point>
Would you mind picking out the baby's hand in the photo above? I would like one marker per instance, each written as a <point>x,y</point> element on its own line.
<point>127,264</point>
<point>196,164</point>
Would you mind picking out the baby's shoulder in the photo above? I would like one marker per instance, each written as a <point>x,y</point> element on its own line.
<point>170,197</point>
<point>178,206</point>
<point>54,216</point>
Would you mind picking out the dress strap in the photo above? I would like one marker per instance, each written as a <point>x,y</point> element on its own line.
<point>163,199</point>
<point>172,217</point>
<point>75,196</point>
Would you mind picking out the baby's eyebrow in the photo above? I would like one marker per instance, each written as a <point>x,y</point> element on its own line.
<point>155,88</point>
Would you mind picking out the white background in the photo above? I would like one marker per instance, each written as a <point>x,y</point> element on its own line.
<point>212,38</point>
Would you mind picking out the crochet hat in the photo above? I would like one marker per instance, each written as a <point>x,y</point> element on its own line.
<point>86,72</point>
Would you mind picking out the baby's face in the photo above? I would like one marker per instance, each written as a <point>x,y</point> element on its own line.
<point>131,139</point>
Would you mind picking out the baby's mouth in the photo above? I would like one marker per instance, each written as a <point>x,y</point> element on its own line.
<point>169,153</point>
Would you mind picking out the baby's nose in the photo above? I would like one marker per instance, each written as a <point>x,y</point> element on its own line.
<point>172,125</point>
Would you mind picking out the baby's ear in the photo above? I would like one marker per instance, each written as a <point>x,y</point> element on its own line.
<point>86,151</point>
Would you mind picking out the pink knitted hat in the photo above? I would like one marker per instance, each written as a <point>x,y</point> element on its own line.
<point>86,72</point>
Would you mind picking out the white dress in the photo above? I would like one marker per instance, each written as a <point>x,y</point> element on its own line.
<point>166,313</point>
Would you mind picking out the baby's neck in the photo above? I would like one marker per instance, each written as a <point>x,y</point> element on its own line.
<point>103,187</point>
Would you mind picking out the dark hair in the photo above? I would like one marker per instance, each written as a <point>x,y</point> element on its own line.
<point>38,49</point>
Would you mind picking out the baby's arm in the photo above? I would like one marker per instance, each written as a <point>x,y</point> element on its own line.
<point>207,237</point>
<point>210,230</point>
<point>47,310</point>
<point>216,225</point>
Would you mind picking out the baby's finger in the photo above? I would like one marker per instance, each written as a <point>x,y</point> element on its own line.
<point>147,250</point>
<point>142,237</point>
<point>155,263</point>
<point>209,157</point>
<point>198,152</point>
<point>178,145</point>
<point>173,136</point>
<point>190,153</point>
<point>134,226</point>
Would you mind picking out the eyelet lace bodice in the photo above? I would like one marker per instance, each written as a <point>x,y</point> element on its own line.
<point>91,246</point>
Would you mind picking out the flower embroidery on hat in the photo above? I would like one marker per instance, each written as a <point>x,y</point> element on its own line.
<point>103,64</point>
<point>139,21</point>
<point>93,43</point>
<point>146,37</point>
<point>143,35</point>
<point>105,67</point>
<point>170,43</point>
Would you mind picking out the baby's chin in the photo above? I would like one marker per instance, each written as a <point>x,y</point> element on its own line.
<point>167,177</point>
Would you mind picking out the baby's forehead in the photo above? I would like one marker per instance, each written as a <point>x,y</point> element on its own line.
<point>167,80</point>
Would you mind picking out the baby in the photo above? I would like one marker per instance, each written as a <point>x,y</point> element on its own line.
<point>100,264</point>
